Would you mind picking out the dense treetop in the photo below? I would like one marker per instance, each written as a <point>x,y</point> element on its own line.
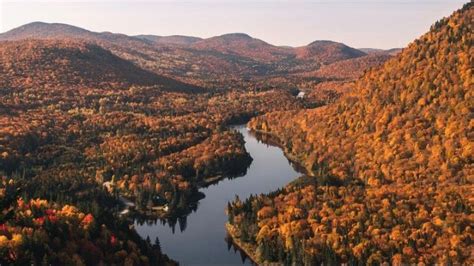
<point>390,164</point>
<point>52,63</point>
<point>228,61</point>
<point>408,120</point>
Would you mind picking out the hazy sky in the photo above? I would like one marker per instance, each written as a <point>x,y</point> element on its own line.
<point>358,23</point>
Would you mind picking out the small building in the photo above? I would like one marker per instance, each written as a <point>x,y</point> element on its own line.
<point>300,95</point>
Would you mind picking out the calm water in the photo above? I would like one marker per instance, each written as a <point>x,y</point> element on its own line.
<point>200,239</point>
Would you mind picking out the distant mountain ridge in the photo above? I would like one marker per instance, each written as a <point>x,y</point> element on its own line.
<point>172,39</point>
<point>205,62</point>
<point>243,45</point>
<point>237,43</point>
<point>42,30</point>
<point>327,52</point>
<point>70,63</point>
<point>392,51</point>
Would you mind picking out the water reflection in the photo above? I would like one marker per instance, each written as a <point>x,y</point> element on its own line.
<point>199,237</point>
<point>179,217</point>
<point>273,141</point>
<point>235,248</point>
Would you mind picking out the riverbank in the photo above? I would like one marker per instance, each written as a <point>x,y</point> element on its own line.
<point>182,238</point>
<point>248,249</point>
<point>273,139</point>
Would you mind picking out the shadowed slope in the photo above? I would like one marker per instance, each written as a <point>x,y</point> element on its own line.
<point>72,63</point>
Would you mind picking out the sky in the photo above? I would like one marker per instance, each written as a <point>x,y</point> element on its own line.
<point>358,23</point>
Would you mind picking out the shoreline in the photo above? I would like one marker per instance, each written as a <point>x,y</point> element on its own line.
<point>276,142</point>
<point>248,249</point>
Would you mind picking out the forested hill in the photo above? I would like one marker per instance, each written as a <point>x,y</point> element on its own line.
<point>391,165</point>
<point>67,62</point>
<point>234,60</point>
<point>409,119</point>
<point>327,52</point>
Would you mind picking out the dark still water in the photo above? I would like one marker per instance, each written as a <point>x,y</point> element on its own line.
<point>200,238</point>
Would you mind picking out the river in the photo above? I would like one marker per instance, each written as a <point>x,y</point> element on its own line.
<point>201,238</point>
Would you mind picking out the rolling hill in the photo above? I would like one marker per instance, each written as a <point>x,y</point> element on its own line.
<point>389,165</point>
<point>243,45</point>
<point>211,62</point>
<point>42,30</point>
<point>30,63</point>
<point>236,44</point>
<point>432,76</point>
<point>327,52</point>
<point>351,68</point>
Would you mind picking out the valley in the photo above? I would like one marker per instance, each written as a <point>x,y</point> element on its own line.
<point>162,150</point>
<point>389,165</point>
<point>196,239</point>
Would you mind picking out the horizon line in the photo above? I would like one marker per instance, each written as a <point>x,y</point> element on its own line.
<point>190,36</point>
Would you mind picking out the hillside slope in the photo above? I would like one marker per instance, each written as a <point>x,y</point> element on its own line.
<point>227,61</point>
<point>243,45</point>
<point>417,107</point>
<point>370,51</point>
<point>42,30</point>
<point>172,39</point>
<point>391,164</point>
<point>71,63</point>
<point>351,68</point>
<point>327,52</point>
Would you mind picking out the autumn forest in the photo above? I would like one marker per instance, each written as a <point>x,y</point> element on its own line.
<point>101,132</point>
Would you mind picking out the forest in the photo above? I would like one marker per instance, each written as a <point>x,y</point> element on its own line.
<point>101,130</point>
<point>98,130</point>
<point>389,165</point>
